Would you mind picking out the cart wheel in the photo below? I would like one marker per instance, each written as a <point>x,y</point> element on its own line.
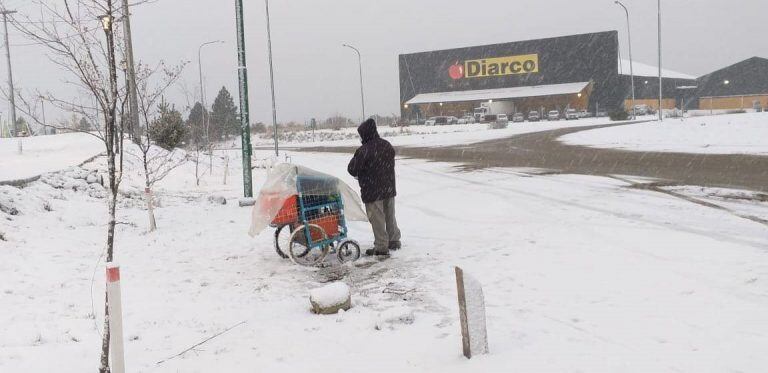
<point>299,251</point>
<point>282,239</point>
<point>348,251</point>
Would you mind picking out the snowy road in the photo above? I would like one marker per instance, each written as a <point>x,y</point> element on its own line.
<point>544,150</point>
<point>581,273</point>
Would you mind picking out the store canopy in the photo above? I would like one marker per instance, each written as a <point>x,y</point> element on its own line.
<point>499,93</point>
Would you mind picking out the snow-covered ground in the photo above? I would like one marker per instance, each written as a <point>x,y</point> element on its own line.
<point>42,154</point>
<point>580,274</point>
<point>718,134</point>
<point>425,135</point>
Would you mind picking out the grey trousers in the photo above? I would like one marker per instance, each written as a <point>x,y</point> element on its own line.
<point>381,215</point>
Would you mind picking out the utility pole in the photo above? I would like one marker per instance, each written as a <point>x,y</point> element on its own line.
<point>11,92</point>
<point>631,71</point>
<point>360,66</point>
<point>661,114</point>
<point>245,126</point>
<point>271,79</point>
<point>133,112</point>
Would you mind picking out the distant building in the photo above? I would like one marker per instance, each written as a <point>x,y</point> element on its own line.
<point>582,72</point>
<point>743,85</point>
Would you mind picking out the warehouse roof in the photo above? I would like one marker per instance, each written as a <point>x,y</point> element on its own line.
<point>499,93</point>
<point>642,69</point>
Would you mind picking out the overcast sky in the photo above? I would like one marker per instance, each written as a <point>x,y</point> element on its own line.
<point>316,77</point>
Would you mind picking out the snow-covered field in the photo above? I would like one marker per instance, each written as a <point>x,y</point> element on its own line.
<point>45,154</point>
<point>425,135</point>
<point>580,274</point>
<point>718,134</point>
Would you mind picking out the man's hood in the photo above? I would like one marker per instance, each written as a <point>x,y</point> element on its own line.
<point>367,130</point>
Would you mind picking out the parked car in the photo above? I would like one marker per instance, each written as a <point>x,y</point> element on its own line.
<point>442,121</point>
<point>502,118</point>
<point>585,114</point>
<point>533,116</point>
<point>571,114</point>
<point>642,109</point>
<point>430,121</point>
<point>469,119</point>
<point>462,121</point>
<point>488,118</point>
<point>518,117</point>
<point>553,115</point>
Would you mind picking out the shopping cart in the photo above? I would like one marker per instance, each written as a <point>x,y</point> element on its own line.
<point>310,224</point>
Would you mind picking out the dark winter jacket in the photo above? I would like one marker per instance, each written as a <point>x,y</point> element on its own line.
<point>373,165</point>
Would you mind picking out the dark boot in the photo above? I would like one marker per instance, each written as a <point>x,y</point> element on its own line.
<point>371,252</point>
<point>394,245</point>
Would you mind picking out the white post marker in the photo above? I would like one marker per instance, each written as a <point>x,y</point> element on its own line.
<point>115,318</point>
<point>150,210</point>
<point>474,337</point>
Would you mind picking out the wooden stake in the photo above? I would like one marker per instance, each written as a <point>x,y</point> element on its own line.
<point>465,343</point>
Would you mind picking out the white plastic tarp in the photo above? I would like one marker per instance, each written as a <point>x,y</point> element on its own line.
<point>281,185</point>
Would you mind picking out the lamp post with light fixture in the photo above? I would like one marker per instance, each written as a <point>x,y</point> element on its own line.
<point>631,71</point>
<point>360,67</point>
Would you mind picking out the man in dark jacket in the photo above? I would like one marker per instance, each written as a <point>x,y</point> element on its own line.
<point>374,167</point>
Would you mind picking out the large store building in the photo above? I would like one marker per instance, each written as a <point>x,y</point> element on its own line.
<point>583,72</point>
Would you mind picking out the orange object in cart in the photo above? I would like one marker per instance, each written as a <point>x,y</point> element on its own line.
<point>329,223</point>
<point>288,214</point>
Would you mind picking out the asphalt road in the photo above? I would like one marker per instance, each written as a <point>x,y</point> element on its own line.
<point>542,150</point>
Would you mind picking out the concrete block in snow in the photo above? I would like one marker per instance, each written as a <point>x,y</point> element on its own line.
<point>331,298</point>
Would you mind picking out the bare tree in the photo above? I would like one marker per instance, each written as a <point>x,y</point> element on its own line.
<point>157,162</point>
<point>79,36</point>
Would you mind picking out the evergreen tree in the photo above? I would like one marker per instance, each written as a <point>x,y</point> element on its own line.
<point>224,121</point>
<point>168,130</point>
<point>196,125</point>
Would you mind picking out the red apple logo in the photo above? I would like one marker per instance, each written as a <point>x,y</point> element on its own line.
<point>456,71</point>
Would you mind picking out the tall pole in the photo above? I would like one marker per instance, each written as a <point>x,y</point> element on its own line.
<point>631,71</point>
<point>245,127</point>
<point>42,107</point>
<point>271,78</point>
<point>206,123</point>
<point>360,66</point>
<point>12,93</point>
<point>661,114</point>
<point>133,112</point>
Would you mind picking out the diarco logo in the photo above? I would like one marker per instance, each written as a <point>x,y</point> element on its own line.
<point>497,66</point>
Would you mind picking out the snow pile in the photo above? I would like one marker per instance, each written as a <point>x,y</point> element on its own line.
<point>719,134</point>
<point>78,179</point>
<point>330,298</point>
<point>43,154</point>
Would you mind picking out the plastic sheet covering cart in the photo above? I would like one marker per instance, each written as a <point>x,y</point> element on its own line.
<point>309,211</point>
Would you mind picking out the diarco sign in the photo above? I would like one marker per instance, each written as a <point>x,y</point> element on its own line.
<point>497,66</point>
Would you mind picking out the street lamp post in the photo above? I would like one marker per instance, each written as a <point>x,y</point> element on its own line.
<point>661,114</point>
<point>631,71</point>
<point>271,78</point>
<point>360,66</point>
<point>206,122</point>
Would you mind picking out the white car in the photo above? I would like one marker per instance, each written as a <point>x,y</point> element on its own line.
<point>571,114</point>
<point>430,122</point>
<point>502,119</point>
<point>553,115</point>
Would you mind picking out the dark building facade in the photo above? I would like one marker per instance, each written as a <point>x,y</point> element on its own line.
<point>589,58</point>
<point>743,85</point>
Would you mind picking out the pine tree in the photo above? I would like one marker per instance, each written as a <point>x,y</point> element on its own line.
<point>168,130</point>
<point>224,121</point>
<point>196,125</point>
